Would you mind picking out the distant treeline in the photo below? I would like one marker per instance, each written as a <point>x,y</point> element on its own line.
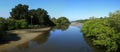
<point>61,21</point>
<point>104,32</point>
<point>81,21</point>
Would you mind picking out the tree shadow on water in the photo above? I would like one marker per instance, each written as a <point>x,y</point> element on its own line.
<point>6,37</point>
<point>61,27</point>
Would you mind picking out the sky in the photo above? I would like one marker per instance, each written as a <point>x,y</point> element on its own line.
<point>72,9</point>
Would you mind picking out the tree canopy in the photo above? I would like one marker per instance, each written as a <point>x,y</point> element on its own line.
<point>21,18</point>
<point>61,21</point>
<point>19,12</point>
<point>104,32</point>
<point>32,17</point>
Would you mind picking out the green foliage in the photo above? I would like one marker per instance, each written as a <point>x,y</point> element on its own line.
<point>81,21</point>
<point>33,17</point>
<point>10,24</point>
<point>104,32</point>
<point>114,20</point>
<point>2,24</point>
<point>54,20</point>
<point>20,24</point>
<point>21,18</point>
<point>61,21</point>
<point>19,12</point>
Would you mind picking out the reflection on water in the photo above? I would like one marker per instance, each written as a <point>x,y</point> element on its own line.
<point>67,40</point>
<point>42,38</point>
<point>6,37</point>
<point>39,40</point>
<point>89,42</point>
<point>59,39</point>
<point>61,27</point>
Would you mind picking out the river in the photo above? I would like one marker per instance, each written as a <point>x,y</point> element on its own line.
<point>59,39</point>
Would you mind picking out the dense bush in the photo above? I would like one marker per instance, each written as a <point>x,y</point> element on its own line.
<point>104,32</point>
<point>81,21</point>
<point>61,21</point>
<point>20,24</point>
<point>3,24</point>
<point>10,24</point>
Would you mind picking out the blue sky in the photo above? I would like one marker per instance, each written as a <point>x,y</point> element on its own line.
<point>72,9</point>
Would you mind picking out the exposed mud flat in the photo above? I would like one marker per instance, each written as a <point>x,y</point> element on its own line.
<point>25,36</point>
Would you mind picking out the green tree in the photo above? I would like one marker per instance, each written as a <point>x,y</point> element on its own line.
<point>61,21</point>
<point>54,20</point>
<point>19,12</point>
<point>104,32</point>
<point>32,17</point>
<point>114,20</point>
<point>39,17</point>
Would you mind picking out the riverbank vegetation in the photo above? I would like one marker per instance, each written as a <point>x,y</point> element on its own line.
<point>61,23</point>
<point>104,32</point>
<point>21,18</point>
<point>81,21</point>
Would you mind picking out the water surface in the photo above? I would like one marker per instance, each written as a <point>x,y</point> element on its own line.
<point>66,39</point>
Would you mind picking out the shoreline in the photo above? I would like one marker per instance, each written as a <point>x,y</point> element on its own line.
<point>77,24</point>
<point>25,35</point>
